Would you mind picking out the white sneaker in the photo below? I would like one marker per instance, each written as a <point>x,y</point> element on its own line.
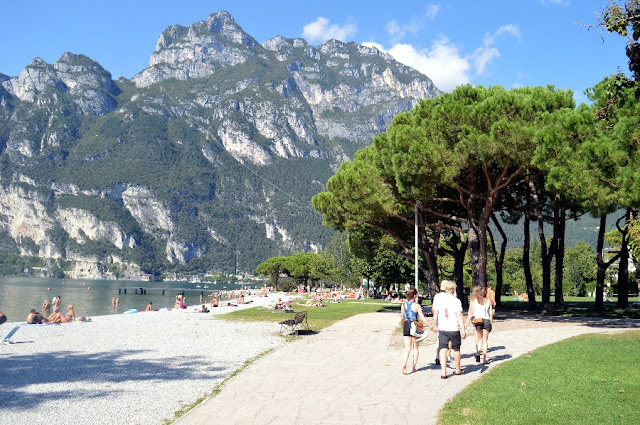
<point>421,337</point>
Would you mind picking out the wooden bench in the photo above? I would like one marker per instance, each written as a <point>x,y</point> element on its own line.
<point>294,325</point>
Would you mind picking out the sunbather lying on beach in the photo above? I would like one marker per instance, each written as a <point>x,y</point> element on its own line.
<point>57,317</point>
<point>312,303</point>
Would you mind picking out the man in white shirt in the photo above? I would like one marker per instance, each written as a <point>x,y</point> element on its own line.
<point>447,311</point>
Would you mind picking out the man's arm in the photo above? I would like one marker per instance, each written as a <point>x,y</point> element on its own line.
<point>424,319</point>
<point>463,333</point>
<point>435,317</point>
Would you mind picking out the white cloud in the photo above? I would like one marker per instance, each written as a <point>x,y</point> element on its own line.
<point>398,32</point>
<point>432,10</point>
<point>320,31</point>
<point>509,29</point>
<point>442,62</point>
<point>483,56</point>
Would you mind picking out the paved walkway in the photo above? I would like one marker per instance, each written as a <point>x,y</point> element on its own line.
<point>350,373</point>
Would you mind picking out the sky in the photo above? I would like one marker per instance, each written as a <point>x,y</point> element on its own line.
<point>491,42</point>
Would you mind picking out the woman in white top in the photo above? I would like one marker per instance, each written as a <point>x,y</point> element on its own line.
<point>480,309</point>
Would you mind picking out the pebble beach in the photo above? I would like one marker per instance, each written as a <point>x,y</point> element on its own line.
<point>124,369</point>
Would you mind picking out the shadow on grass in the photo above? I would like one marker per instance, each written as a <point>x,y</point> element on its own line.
<point>107,368</point>
<point>591,321</point>
<point>304,332</point>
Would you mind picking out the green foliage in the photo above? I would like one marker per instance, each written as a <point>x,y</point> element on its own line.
<point>579,270</point>
<point>619,19</point>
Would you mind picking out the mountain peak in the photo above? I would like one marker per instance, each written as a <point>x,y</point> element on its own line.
<point>194,52</point>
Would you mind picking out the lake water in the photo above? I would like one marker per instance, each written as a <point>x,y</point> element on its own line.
<point>18,295</point>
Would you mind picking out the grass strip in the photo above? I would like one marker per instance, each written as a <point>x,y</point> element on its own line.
<point>318,317</point>
<point>583,380</point>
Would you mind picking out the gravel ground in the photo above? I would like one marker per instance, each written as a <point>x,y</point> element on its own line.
<point>125,369</point>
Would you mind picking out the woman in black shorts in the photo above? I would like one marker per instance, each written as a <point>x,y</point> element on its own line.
<point>481,315</point>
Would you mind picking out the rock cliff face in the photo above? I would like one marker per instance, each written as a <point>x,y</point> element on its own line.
<point>206,159</point>
<point>82,80</point>
<point>197,51</point>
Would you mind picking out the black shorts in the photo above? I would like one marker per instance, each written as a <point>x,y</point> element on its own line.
<point>486,325</point>
<point>445,336</point>
<point>406,328</point>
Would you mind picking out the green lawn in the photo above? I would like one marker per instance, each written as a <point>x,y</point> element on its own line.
<point>318,317</point>
<point>584,380</point>
<point>574,306</point>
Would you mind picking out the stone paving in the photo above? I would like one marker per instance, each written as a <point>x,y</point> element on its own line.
<point>350,373</point>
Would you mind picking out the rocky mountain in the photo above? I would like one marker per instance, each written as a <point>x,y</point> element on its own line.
<point>205,160</point>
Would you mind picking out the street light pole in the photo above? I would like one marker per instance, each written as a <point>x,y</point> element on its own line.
<point>416,245</point>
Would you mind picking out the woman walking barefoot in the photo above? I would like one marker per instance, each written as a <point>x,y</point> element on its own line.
<point>481,314</point>
<point>411,311</point>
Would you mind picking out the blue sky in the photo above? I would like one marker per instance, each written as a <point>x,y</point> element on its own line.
<point>510,43</point>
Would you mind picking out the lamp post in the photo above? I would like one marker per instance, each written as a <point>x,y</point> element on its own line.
<point>415,249</point>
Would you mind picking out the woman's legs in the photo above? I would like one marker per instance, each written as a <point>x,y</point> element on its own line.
<point>485,344</point>
<point>478,343</point>
<point>408,342</point>
<point>416,344</point>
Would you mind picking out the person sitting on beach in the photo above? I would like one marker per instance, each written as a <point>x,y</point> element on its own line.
<point>281,305</point>
<point>241,300</point>
<point>71,315</point>
<point>35,318</point>
<point>46,307</point>
<point>214,302</point>
<point>57,317</point>
<point>55,302</point>
<point>149,306</point>
<point>204,309</point>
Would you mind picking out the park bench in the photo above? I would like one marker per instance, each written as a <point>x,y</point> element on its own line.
<point>293,325</point>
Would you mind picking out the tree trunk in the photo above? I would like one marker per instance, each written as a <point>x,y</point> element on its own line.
<point>559,223</point>
<point>602,267</point>
<point>623,268</point>
<point>531,294</point>
<point>499,260</point>
<point>478,246</point>
<point>458,273</point>
<point>546,257</point>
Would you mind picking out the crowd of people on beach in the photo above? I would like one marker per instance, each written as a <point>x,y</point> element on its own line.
<point>449,325</point>
<point>51,313</point>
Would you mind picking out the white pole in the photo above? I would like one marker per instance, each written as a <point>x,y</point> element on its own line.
<point>416,245</point>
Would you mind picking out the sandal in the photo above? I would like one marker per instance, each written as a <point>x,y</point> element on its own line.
<point>443,376</point>
<point>460,373</point>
